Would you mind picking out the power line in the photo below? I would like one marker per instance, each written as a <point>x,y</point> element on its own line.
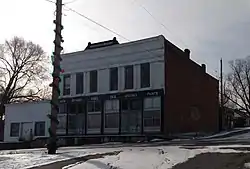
<point>159,22</point>
<point>64,3</point>
<point>91,20</point>
<point>70,2</point>
<point>108,29</point>
<point>50,1</point>
<point>104,27</point>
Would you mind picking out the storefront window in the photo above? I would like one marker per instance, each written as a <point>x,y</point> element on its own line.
<point>111,112</point>
<point>131,116</point>
<point>94,116</point>
<point>152,114</point>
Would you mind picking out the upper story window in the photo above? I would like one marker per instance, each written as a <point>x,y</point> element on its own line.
<point>145,75</point>
<point>66,85</point>
<point>93,81</point>
<point>129,77</point>
<point>113,80</point>
<point>79,83</point>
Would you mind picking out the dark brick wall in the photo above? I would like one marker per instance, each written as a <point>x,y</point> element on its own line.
<point>187,85</point>
<point>1,130</point>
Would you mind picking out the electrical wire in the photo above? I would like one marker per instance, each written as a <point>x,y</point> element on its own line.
<point>70,2</point>
<point>159,22</point>
<point>104,27</point>
<point>91,20</point>
<point>108,29</point>
<point>51,1</point>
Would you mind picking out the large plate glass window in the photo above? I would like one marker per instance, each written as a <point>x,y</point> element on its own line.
<point>76,117</point>
<point>94,116</point>
<point>131,116</point>
<point>62,118</point>
<point>111,116</point>
<point>152,114</point>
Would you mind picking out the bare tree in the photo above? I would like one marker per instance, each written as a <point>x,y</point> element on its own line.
<point>238,84</point>
<point>23,69</point>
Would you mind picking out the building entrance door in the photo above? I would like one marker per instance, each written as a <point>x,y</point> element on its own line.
<point>26,130</point>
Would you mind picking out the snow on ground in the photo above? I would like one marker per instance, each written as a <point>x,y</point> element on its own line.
<point>132,157</point>
<point>241,136</point>
<point>147,158</point>
<point>20,159</point>
<point>225,133</point>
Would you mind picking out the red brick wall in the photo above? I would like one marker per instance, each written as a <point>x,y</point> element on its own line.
<point>187,86</point>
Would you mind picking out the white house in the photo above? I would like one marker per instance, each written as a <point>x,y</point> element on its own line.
<point>25,119</point>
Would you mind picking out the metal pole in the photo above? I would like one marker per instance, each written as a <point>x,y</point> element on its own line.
<point>52,146</point>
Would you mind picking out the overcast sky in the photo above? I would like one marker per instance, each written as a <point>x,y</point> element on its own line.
<point>211,29</point>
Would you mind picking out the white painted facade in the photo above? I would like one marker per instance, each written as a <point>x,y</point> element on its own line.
<point>149,50</point>
<point>26,114</point>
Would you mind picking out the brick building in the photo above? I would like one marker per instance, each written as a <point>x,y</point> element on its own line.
<point>145,87</point>
<point>191,98</point>
<point>140,87</point>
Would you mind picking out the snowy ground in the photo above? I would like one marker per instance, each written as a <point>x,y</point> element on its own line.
<point>148,157</point>
<point>19,159</point>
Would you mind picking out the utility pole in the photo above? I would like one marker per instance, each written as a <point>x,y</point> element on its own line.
<point>221,96</point>
<point>52,145</point>
<point>221,83</point>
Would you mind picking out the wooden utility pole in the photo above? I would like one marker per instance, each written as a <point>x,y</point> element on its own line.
<point>221,97</point>
<point>52,146</point>
<point>221,83</point>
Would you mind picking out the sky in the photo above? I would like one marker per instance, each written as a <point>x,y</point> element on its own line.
<point>211,29</point>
